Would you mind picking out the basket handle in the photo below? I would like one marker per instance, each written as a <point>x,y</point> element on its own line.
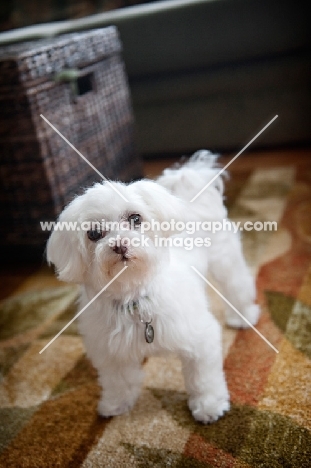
<point>81,82</point>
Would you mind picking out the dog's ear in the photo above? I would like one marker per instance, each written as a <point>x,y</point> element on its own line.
<point>162,205</point>
<point>64,248</point>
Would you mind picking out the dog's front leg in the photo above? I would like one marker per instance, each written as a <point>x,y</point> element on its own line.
<point>204,378</point>
<point>121,384</point>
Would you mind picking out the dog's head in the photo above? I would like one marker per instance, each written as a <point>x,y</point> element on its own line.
<point>107,228</point>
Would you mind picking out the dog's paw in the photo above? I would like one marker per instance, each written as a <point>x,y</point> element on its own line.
<point>107,410</point>
<point>251,314</point>
<point>207,409</point>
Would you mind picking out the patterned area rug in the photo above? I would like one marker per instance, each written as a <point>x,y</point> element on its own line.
<point>48,401</point>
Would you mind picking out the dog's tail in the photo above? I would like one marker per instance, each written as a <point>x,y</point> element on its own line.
<point>198,181</point>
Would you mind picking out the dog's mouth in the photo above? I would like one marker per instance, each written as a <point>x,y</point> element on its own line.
<point>123,257</point>
<point>128,258</point>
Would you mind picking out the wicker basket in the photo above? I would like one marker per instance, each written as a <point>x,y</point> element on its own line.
<point>77,82</point>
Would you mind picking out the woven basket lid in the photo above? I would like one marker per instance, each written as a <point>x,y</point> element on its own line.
<point>37,60</point>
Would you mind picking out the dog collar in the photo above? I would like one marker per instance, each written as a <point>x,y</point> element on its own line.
<point>134,307</point>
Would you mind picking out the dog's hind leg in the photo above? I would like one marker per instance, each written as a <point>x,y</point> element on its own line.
<point>228,266</point>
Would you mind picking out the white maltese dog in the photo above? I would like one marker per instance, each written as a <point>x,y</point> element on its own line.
<point>153,300</point>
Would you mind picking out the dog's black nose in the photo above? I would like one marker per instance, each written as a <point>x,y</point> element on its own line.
<point>120,249</point>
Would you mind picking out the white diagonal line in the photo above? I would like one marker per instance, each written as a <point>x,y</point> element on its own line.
<point>233,159</point>
<point>83,157</point>
<point>239,313</point>
<point>82,310</point>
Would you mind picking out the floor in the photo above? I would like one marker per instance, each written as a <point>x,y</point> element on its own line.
<point>18,278</point>
<point>250,160</point>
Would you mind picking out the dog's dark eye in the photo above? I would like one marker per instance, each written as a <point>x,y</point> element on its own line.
<point>135,219</point>
<point>94,235</point>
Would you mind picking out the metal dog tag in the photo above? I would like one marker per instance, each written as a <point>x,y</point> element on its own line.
<point>149,332</point>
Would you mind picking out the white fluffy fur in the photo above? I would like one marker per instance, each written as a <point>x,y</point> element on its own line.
<point>163,283</point>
